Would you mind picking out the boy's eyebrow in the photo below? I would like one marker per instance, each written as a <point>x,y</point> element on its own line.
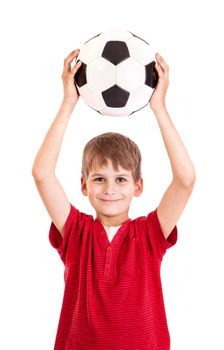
<point>122,175</point>
<point>96,174</point>
<point>118,174</point>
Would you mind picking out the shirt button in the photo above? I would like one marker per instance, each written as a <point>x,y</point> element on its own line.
<point>109,249</point>
<point>107,266</point>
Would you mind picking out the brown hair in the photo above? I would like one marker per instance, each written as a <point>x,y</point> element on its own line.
<point>117,148</point>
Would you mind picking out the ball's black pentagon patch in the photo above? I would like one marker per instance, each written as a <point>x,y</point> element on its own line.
<point>115,51</point>
<point>151,75</point>
<point>80,76</point>
<point>115,97</point>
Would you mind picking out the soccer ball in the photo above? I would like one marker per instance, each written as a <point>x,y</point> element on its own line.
<point>118,75</point>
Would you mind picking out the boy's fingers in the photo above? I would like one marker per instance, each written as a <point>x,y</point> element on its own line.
<point>160,58</point>
<point>76,67</point>
<point>72,55</point>
<point>162,62</point>
<point>68,60</point>
<point>162,66</point>
<point>159,70</point>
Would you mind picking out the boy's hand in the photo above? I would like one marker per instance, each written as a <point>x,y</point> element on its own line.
<point>70,92</point>
<point>157,100</point>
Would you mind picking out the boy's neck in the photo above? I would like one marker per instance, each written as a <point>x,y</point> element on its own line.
<point>112,221</point>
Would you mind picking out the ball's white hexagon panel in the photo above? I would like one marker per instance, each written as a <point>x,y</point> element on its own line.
<point>139,97</point>
<point>91,50</point>
<point>94,98</point>
<point>140,51</point>
<point>101,74</point>
<point>130,74</point>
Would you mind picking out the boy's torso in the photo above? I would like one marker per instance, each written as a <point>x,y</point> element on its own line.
<point>113,295</point>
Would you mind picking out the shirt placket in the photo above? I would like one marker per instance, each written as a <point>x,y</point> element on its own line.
<point>108,262</point>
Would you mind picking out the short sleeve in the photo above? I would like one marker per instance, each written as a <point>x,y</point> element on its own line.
<point>63,244</point>
<point>159,244</point>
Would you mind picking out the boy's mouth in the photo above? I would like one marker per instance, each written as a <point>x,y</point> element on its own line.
<point>110,200</point>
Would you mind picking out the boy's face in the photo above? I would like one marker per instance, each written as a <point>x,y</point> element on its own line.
<point>110,192</point>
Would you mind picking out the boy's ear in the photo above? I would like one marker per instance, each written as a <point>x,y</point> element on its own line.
<point>138,187</point>
<point>83,186</point>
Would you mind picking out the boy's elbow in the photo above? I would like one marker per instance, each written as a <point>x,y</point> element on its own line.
<point>192,179</point>
<point>38,174</point>
<point>189,181</point>
<point>34,172</point>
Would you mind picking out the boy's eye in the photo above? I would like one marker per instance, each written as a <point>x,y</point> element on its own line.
<point>99,179</point>
<point>121,179</point>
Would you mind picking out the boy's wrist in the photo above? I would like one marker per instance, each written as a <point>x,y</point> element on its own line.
<point>65,110</point>
<point>159,109</point>
<point>68,104</point>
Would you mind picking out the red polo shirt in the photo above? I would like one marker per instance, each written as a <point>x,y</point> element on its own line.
<point>113,296</point>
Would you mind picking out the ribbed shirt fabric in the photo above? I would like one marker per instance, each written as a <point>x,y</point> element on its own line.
<point>113,295</point>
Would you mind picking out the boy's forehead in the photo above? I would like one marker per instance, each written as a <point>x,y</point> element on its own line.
<point>100,168</point>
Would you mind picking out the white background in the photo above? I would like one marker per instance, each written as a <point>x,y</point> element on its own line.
<point>36,36</point>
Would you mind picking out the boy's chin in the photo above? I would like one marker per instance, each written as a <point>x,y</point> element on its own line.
<point>110,213</point>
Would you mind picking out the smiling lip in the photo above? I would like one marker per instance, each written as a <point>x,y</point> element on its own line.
<point>110,200</point>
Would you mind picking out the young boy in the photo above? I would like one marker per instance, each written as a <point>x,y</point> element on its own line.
<point>113,296</point>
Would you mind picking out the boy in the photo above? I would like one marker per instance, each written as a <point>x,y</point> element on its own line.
<point>113,297</point>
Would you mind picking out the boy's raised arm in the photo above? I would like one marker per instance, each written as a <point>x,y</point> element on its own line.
<point>178,192</point>
<point>43,171</point>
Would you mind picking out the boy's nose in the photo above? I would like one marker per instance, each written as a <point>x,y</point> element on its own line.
<point>109,189</point>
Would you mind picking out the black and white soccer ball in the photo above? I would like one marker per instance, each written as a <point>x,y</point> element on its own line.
<point>118,75</point>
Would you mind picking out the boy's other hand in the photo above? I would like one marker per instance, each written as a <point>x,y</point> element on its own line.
<point>157,100</point>
<point>70,91</point>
